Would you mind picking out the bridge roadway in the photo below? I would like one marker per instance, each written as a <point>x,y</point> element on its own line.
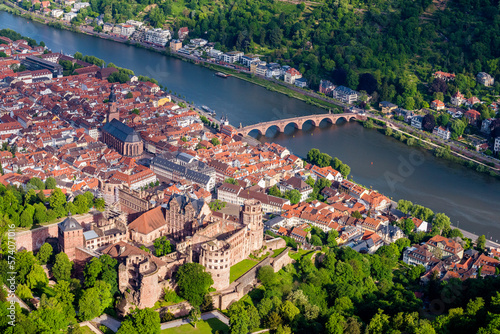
<point>298,122</point>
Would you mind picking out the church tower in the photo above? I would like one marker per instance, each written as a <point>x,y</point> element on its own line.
<point>251,217</point>
<point>112,110</point>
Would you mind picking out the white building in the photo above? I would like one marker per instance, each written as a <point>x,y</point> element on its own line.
<point>416,122</point>
<point>345,94</point>
<point>158,36</point>
<point>291,75</point>
<point>79,5</point>
<point>69,16</point>
<point>232,57</point>
<point>57,13</point>
<point>198,42</point>
<point>135,23</point>
<point>442,132</point>
<point>246,60</point>
<point>496,147</point>
<point>127,30</point>
<point>214,53</point>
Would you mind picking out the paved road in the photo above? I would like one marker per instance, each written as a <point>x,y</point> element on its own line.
<point>204,316</point>
<point>489,241</point>
<point>108,321</point>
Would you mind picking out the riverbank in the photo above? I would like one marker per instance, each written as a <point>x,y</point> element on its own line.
<point>273,85</point>
<point>270,84</point>
<point>444,152</point>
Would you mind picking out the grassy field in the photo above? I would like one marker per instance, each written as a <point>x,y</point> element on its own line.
<point>278,251</point>
<point>240,268</point>
<point>86,330</point>
<point>203,327</point>
<point>301,253</point>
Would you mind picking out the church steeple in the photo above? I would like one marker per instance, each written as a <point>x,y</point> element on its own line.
<point>112,111</point>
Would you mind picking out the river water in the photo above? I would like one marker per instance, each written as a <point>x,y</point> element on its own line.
<point>470,199</point>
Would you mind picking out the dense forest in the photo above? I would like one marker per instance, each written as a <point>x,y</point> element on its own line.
<point>388,47</point>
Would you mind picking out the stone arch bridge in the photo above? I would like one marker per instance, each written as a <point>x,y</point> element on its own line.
<point>298,122</point>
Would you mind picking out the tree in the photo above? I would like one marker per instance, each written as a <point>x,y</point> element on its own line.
<point>215,141</point>
<point>443,119</point>
<point>26,219</point>
<point>438,85</point>
<point>44,253</point>
<point>481,243</point>
<point>289,311</point>
<point>332,238</point>
<point>274,191</point>
<point>404,206</point>
<point>293,195</point>
<point>145,321</point>
<point>441,222</point>
<point>162,246</point>
<point>100,204</point>
<point>50,183</point>
<point>37,183</point>
<point>91,272</point>
<point>62,267</point>
<point>95,300</point>
<point>194,316</point>
<point>428,123</point>
<point>335,324</point>
<point>57,200</point>
<point>316,241</point>
<point>24,292</point>
<point>89,305</point>
<point>267,276</point>
<point>239,319</point>
<point>457,128</point>
<point>62,292</point>
<point>193,282</point>
<point>273,320</point>
<point>81,203</point>
<point>36,277</point>
<point>230,180</point>
<point>379,324</point>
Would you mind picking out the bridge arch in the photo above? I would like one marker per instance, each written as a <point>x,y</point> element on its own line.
<point>277,126</point>
<point>258,130</point>
<point>345,119</point>
<point>296,124</point>
<point>313,121</point>
<point>329,120</point>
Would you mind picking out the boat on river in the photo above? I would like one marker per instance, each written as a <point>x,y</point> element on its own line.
<point>222,75</point>
<point>209,110</point>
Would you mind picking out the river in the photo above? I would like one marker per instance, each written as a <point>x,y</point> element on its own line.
<point>470,199</point>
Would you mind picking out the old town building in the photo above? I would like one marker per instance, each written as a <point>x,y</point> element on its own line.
<point>119,136</point>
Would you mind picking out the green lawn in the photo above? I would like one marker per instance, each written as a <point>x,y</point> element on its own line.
<point>278,251</point>
<point>240,268</point>
<point>203,327</point>
<point>301,253</point>
<point>86,330</point>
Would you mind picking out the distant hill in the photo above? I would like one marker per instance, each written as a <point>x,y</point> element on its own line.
<point>397,45</point>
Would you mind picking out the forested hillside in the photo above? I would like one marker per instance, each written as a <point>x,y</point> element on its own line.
<point>388,46</point>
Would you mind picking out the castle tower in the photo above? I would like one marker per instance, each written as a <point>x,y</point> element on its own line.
<point>70,236</point>
<point>112,111</point>
<point>215,256</point>
<point>251,216</point>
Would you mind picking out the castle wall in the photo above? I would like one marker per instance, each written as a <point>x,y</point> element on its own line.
<point>274,244</point>
<point>178,310</point>
<point>32,240</point>
<point>149,291</point>
<point>281,260</point>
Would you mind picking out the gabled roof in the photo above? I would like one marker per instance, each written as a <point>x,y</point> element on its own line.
<point>148,221</point>
<point>121,131</point>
